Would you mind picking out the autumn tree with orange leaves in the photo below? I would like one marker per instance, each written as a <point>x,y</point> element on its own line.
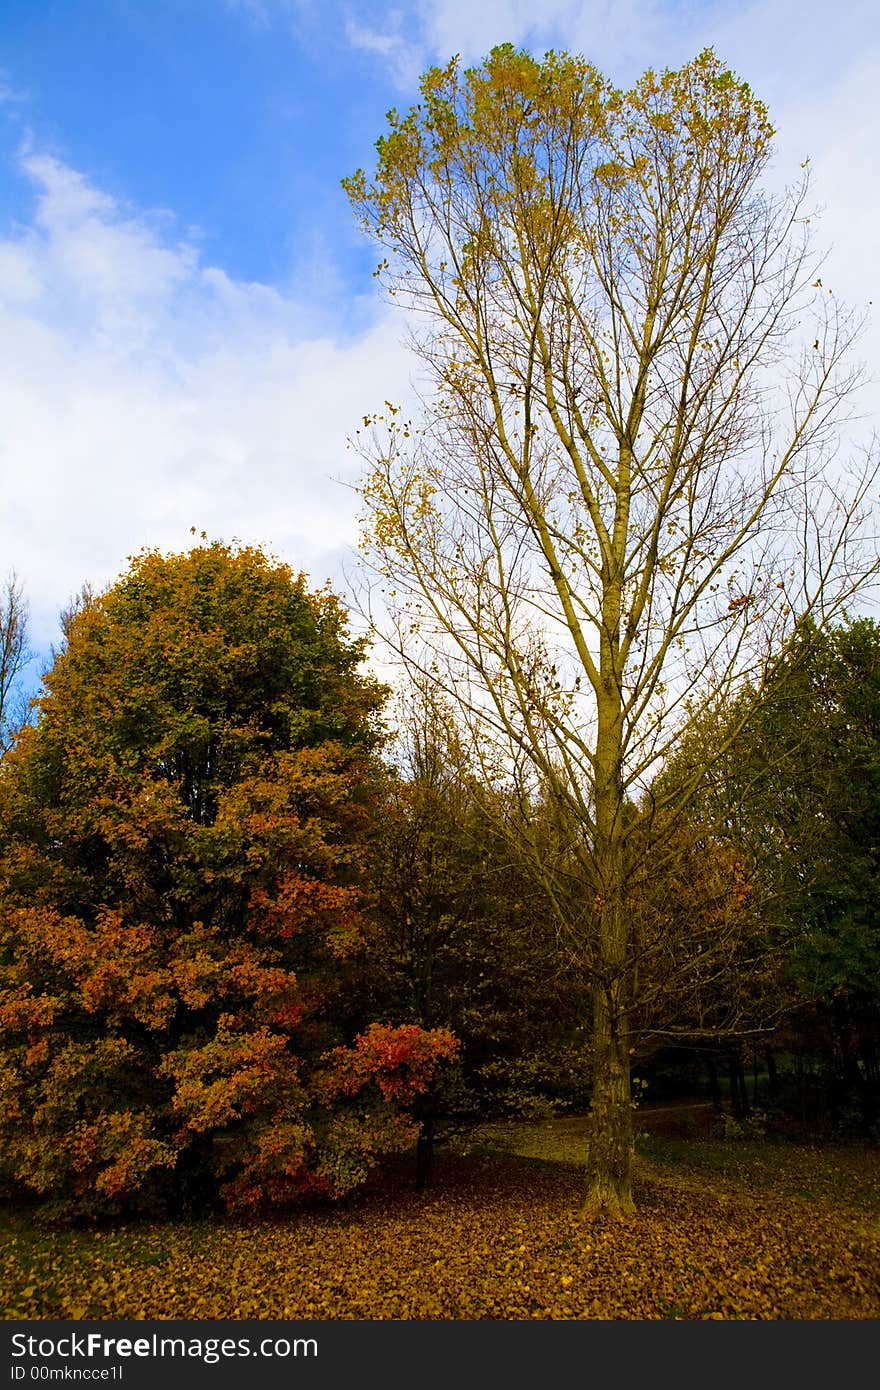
<point>181,893</point>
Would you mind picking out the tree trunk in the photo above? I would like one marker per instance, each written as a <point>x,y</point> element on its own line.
<point>739,1096</point>
<point>425,1153</point>
<point>842,1027</point>
<point>772,1073</point>
<point>609,1159</point>
<point>714,1088</point>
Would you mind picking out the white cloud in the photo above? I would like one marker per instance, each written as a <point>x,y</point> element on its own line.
<point>840,133</point>
<point>142,393</point>
<point>611,32</point>
<point>785,46</point>
<point>10,95</point>
<point>405,59</point>
<point>607,31</point>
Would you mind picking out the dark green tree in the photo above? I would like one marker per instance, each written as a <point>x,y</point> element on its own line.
<point>798,791</point>
<point>463,939</point>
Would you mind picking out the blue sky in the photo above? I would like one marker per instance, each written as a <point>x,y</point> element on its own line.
<point>189,329</point>
<point>235,121</point>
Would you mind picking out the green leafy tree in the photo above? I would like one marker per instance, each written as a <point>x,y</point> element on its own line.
<point>799,793</point>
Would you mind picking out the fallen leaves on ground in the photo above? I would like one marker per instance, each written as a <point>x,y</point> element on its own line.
<point>496,1238</point>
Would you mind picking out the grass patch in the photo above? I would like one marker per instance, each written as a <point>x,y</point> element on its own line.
<point>845,1177</point>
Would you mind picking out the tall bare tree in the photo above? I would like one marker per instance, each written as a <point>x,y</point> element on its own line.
<point>14,656</point>
<point>623,491</point>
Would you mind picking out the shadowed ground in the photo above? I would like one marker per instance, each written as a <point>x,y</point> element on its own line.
<point>724,1229</point>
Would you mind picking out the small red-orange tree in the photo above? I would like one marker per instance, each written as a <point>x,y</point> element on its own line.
<point>182,861</point>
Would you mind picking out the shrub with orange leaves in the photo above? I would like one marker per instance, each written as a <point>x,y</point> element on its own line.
<point>402,1061</point>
